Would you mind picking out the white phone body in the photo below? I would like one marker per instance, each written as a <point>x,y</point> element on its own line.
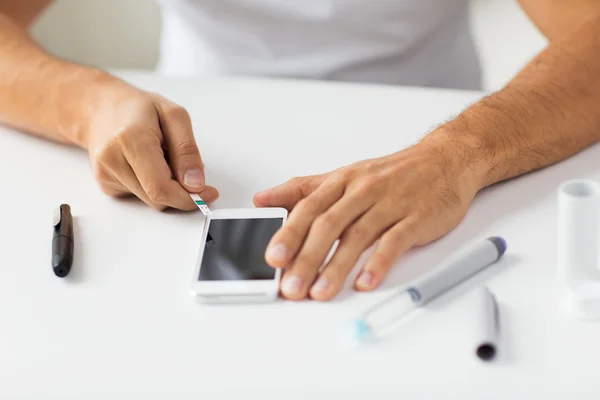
<point>237,290</point>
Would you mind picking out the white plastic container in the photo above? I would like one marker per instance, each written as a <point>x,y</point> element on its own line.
<point>578,228</point>
<point>578,247</point>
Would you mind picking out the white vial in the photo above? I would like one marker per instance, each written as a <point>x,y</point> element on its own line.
<point>578,225</point>
<point>578,243</point>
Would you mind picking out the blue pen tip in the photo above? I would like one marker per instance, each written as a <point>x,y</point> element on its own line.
<point>500,244</point>
<point>361,330</point>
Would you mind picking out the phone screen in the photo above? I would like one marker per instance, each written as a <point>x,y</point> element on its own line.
<point>235,249</point>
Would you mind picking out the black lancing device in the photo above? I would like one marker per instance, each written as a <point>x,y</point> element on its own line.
<point>62,241</point>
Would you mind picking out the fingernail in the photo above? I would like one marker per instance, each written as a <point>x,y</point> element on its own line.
<point>277,252</point>
<point>320,286</point>
<point>193,178</point>
<point>365,279</point>
<point>291,285</point>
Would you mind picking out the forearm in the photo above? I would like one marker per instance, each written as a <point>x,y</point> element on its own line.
<point>547,113</point>
<point>40,93</point>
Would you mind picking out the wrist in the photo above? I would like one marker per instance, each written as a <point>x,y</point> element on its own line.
<point>86,89</point>
<point>460,157</point>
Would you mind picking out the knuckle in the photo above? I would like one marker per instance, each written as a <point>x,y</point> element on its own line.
<point>341,177</point>
<point>291,235</point>
<point>136,138</point>
<point>126,141</point>
<point>107,155</point>
<point>157,194</point>
<point>344,173</point>
<point>112,187</point>
<point>176,112</point>
<point>335,273</point>
<point>411,232</point>
<point>297,180</point>
<point>382,261</point>
<point>371,164</point>
<point>300,183</point>
<point>124,137</point>
<point>98,154</point>
<point>325,222</point>
<point>358,232</point>
<point>307,262</point>
<point>393,238</point>
<point>365,186</point>
<point>289,231</point>
<point>186,148</point>
<point>307,206</point>
<point>400,240</point>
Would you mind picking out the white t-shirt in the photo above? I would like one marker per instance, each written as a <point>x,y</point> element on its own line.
<point>408,42</point>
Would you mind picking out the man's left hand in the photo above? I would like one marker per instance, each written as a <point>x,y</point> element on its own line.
<point>406,199</point>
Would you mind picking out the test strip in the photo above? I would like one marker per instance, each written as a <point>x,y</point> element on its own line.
<point>201,204</point>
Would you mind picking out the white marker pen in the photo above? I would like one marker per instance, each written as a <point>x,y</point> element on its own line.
<point>488,324</point>
<point>455,270</point>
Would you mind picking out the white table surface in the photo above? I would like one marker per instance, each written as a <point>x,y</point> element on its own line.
<point>123,324</point>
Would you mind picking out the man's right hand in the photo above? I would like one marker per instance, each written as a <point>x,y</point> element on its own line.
<point>140,143</point>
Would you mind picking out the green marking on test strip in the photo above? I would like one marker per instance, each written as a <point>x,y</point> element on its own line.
<point>200,202</point>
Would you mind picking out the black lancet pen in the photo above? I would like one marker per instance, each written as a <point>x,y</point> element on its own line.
<point>62,241</point>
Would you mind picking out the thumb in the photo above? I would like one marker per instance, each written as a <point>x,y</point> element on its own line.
<point>183,154</point>
<point>288,194</point>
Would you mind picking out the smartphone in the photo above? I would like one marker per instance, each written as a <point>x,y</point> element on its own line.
<point>231,265</point>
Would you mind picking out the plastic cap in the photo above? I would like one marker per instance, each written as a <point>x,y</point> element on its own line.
<point>500,244</point>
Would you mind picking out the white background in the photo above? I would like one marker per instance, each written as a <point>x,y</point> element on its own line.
<point>77,30</point>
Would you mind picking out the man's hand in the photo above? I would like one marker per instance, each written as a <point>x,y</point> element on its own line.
<point>409,198</point>
<point>143,144</point>
<point>138,142</point>
<point>547,113</point>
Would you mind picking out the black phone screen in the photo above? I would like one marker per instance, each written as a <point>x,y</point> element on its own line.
<point>235,249</point>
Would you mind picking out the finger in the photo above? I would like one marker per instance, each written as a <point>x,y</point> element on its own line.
<point>395,242</point>
<point>323,233</point>
<point>146,158</point>
<point>287,240</point>
<point>130,182</point>
<point>209,194</point>
<point>116,193</point>
<point>356,239</point>
<point>127,177</point>
<point>184,156</point>
<point>108,183</point>
<point>116,169</point>
<point>288,194</point>
<point>115,189</point>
